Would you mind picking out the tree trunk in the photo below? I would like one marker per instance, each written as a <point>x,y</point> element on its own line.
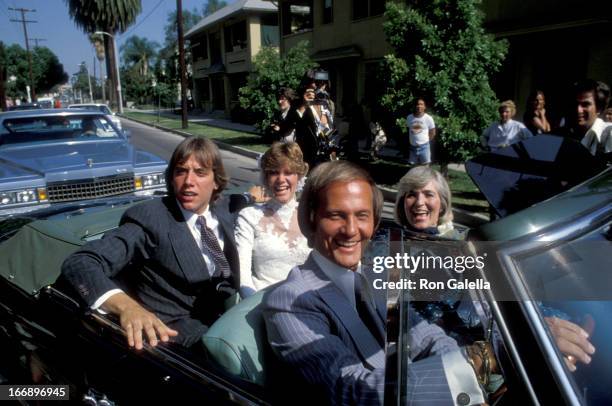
<point>110,70</point>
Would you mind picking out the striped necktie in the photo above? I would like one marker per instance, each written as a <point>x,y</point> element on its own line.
<point>210,243</point>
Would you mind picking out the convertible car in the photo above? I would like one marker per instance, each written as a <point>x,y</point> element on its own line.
<point>545,259</point>
<point>53,156</point>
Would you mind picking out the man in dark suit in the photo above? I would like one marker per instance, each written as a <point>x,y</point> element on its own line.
<point>285,118</point>
<point>322,321</point>
<point>178,254</point>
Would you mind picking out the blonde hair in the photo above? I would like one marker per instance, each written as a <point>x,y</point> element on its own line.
<point>283,153</point>
<point>507,104</point>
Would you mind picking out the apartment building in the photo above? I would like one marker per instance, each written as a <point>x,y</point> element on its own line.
<point>223,46</point>
<point>345,37</point>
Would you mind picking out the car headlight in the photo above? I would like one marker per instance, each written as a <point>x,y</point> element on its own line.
<point>149,180</point>
<point>23,197</point>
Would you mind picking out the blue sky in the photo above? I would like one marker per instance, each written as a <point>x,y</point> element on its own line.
<point>68,42</point>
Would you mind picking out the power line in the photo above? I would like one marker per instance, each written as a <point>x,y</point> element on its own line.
<point>37,40</point>
<point>143,20</point>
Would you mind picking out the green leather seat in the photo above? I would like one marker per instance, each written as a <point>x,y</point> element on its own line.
<point>238,341</point>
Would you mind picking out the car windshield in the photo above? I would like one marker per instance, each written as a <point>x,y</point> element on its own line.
<point>571,280</point>
<point>54,128</point>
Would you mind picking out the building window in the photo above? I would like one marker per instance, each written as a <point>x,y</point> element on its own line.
<point>235,36</point>
<point>296,16</point>
<point>328,11</point>
<point>367,8</point>
<point>269,30</point>
<point>199,48</point>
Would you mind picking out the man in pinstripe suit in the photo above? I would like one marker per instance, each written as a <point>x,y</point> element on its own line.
<point>177,252</point>
<point>323,324</point>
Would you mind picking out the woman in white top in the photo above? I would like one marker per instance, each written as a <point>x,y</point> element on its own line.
<point>506,131</point>
<point>268,236</point>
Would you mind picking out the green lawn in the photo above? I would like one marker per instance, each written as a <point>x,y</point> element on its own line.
<point>238,138</point>
<point>386,172</point>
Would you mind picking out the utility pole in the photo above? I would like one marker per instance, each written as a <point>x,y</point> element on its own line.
<point>36,41</point>
<point>181,45</point>
<point>27,43</point>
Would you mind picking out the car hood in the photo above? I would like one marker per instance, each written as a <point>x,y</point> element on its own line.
<point>531,171</point>
<point>53,161</point>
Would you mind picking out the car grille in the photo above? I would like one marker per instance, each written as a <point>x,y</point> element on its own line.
<point>99,187</point>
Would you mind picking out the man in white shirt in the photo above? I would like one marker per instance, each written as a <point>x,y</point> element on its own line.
<point>322,322</point>
<point>590,98</point>
<point>178,254</point>
<point>421,130</point>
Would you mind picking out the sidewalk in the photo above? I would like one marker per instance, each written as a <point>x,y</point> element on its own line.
<point>390,150</point>
<point>203,118</point>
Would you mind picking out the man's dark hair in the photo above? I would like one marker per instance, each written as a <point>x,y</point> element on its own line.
<point>600,90</point>
<point>206,153</point>
<point>286,92</point>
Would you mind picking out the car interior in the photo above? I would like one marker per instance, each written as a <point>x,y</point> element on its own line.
<point>236,354</point>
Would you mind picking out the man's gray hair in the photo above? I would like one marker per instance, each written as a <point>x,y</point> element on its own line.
<point>319,179</point>
<point>417,178</point>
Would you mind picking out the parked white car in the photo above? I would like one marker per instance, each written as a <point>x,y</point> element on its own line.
<point>98,107</point>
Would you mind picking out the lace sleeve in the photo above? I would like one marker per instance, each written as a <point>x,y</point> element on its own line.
<point>245,236</point>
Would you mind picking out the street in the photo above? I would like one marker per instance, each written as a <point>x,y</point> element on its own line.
<point>241,170</point>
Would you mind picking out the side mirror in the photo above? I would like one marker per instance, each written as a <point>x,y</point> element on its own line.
<point>127,134</point>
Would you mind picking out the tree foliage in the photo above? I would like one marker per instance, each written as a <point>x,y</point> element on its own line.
<point>47,71</point>
<point>138,53</point>
<point>270,73</point>
<point>212,6</point>
<point>442,53</point>
<point>104,15</point>
<point>111,16</point>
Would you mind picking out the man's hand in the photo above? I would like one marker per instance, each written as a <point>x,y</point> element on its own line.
<point>572,340</point>
<point>135,319</point>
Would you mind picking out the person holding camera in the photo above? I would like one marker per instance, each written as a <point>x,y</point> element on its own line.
<point>313,126</point>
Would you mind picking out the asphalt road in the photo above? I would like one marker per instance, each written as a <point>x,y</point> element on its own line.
<point>241,170</point>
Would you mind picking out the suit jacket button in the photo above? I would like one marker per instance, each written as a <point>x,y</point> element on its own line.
<point>463,399</point>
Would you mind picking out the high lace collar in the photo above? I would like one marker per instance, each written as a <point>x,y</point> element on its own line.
<point>283,210</point>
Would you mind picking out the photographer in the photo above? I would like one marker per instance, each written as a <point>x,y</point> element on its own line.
<point>318,79</point>
<point>313,126</point>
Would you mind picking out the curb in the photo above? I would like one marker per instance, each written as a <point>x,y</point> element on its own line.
<point>220,144</point>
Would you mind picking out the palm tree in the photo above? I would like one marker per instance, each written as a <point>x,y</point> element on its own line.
<point>111,16</point>
<point>138,52</point>
<point>98,43</point>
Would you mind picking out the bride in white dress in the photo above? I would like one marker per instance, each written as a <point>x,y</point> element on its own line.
<point>268,237</point>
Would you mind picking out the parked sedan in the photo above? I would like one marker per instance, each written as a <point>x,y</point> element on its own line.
<point>53,156</point>
<point>98,107</point>
<point>542,261</point>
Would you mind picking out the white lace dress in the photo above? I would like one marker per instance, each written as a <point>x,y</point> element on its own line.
<point>269,244</point>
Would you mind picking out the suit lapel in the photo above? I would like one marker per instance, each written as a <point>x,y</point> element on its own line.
<point>186,250</point>
<point>366,344</point>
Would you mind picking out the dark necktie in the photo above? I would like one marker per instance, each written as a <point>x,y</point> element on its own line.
<point>367,310</point>
<point>210,243</point>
